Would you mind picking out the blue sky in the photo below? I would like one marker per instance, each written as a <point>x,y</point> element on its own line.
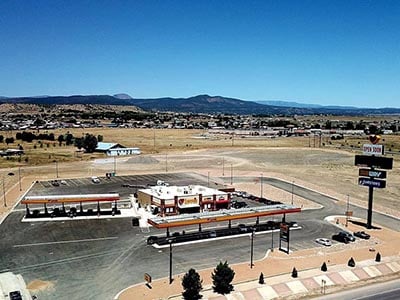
<point>325,52</point>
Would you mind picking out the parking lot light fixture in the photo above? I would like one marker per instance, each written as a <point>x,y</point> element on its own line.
<point>292,191</point>
<point>252,247</point>
<point>4,194</point>
<point>170,241</point>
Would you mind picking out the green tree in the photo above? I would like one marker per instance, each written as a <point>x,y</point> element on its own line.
<point>192,285</point>
<point>79,143</point>
<point>99,138</point>
<point>68,139</point>
<point>9,140</point>
<point>222,278</point>
<point>60,139</point>
<point>89,143</point>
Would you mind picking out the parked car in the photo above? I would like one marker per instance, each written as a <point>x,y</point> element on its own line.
<point>340,238</point>
<point>323,241</point>
<point>212,234</point>
<point>55,183</point>
<point>348,235</point>
<point>152,239</point>
<point>242,228</point>
<point>293,224</point>
<point>362,235</point>
<point>95,179</point>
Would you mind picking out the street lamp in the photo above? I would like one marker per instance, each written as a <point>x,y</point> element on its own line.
<point>272,236</point>
<point>19,178</point>
<point>347,210</point>
<point>170,241</point>
<point>4,194</point>
<point>56,163</point>
<point>223,166</point>
<point>231,174</point>
<point>208,179</point>
<point>261,185</point>
<point>166,162</point>
<point>292,191</point>
<point>251,247</point>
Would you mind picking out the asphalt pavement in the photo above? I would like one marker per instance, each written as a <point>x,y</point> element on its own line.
<point>95,259</point>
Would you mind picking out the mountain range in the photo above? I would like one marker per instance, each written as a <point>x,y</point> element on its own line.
<point>204,104</point>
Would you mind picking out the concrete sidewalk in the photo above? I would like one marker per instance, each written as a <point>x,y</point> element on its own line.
<point>309,281</point>
<point>277,267</point>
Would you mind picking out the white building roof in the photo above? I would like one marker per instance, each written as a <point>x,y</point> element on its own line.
<point>169,192</point>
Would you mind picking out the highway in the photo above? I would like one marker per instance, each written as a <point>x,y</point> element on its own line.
<point>389,290</point>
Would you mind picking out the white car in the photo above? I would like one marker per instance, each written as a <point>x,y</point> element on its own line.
<point>95,179</point>
<point>323,241</point>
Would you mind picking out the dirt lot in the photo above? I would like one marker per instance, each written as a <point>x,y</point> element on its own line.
<point>328,171</point>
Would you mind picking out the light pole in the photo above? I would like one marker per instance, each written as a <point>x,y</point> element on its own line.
<point>208,179</point>
<point>231,174</point>
<point>115,165</point>
<point>19,178</point>
<point>154,140</point>
<point>261,185</point>
<point>56,163</point>
<point>170,241</point>
<point>272,236</point>
<point>251,247</point>
<point>166,162</point>
<point>347,210</point>
<point>223,166</point>
<point>292,191</point>
<point>4,194</point>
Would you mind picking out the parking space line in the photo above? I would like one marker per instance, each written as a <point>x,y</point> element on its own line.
<point>66,242</point>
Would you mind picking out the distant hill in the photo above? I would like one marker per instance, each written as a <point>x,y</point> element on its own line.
<point>288,104</point>
<point>303,105</point>
<point>204,104</point>
<point>122,96</point>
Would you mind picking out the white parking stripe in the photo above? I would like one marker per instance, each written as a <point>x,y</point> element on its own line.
<point>66,242</point>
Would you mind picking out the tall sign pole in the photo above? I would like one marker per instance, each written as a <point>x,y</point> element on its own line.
<point>373,176</point>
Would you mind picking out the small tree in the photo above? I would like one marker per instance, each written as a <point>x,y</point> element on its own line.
<point>89,143</point>
<point>261,279</point>
<point>351,262</point>
<point>324,268</point>
<point>222,278</point>
<point>192,285</point>
<point>378,257</point>
<point>60,139</point>
<point>294,273</point>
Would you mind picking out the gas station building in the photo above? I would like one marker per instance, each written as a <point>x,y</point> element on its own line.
<point>173,200</point>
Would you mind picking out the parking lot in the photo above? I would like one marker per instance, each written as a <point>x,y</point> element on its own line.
<point>109,254</point>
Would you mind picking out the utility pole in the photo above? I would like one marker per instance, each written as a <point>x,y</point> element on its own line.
<point>347,210</point>
<point>19,178</point>
<point>231,174</point>
<point>154,140</point>
<point>292,191</point>
<point>56,162</point>
<point>4,194</point>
